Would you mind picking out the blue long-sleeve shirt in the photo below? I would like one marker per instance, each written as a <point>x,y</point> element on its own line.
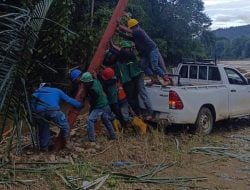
<point>47,98</point>
<point>144,44</point>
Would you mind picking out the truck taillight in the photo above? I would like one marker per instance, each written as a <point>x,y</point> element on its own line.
<point>175,101</point>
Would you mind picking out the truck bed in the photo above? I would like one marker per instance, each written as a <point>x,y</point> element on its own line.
<point>159,95</point>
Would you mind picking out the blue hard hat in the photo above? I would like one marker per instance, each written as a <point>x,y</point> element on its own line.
<point>74,74</point>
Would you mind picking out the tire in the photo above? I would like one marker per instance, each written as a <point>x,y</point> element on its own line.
<point>205,121</point>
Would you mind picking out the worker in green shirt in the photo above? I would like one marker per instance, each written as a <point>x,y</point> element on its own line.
<point>116,96</point>
<point>135,88</point>
<point>99,106</point>
<point>122,72</point>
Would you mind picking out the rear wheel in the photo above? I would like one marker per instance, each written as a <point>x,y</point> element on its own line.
<point>205,121</point>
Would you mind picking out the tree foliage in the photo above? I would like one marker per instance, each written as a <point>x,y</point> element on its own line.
<point>233,32</point>
<point>237,48</point>
<point>177,25</point>
<point>233,42</point>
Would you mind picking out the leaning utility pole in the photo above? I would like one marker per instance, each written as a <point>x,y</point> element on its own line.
<point>98,56</point>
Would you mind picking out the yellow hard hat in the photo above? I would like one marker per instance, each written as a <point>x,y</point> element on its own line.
<point>132,22</point>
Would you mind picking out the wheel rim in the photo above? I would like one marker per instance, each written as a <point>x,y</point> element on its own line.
<point>205,122</point>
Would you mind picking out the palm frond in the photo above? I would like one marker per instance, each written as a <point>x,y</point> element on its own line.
<point>19,33</point>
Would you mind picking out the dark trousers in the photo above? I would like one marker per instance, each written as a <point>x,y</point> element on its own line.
<point>131,91</point>
<point>115,108</point>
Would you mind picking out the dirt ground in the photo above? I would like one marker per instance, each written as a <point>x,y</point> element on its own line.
<point>141,153</point>
<point>83,162</point>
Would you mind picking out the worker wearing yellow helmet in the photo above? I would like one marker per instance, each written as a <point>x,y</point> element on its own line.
<point>152,63</point>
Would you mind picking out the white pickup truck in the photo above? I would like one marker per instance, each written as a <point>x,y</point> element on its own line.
<point>205,94</point>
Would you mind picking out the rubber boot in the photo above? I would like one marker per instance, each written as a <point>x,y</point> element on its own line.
<point>68,144</point>
<point>137,122</point>
<point>59,143</point>
<point>116,125</point>
<point>129,127</point>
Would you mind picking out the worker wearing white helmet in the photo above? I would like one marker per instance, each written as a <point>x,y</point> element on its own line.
<point>45,103</point>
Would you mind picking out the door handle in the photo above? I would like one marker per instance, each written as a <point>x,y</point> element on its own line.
<point>164,95</point>
<point>233,90</point>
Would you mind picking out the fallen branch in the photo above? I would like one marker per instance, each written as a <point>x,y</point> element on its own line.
<point>148,177</point>
<point>102,151</point>
<point>64,180</point>
<point>100,181</point>
<point>41,163</point>
<point>246,138</point>
<point>177,144</point>
<point>34,170</point>
<point>221,151</point>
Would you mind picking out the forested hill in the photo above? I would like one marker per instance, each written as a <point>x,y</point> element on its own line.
<point>233,43</point>
<point>233,32</point>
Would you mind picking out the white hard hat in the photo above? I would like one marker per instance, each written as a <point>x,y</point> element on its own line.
<point>42,84</point>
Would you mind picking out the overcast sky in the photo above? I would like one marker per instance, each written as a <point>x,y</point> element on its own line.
<point>227,13</point>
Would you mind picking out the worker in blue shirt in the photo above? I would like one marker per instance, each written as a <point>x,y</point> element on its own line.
<point>45,102</point>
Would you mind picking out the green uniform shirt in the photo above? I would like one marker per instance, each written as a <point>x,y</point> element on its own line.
<point>134,69</point>
<point>100,97</point>
<point>122,72</point>
<point>112,93</point>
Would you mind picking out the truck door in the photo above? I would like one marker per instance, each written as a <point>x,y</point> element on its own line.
<point>239,93</point>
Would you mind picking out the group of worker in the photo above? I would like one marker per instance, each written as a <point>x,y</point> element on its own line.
<point>110,92</point>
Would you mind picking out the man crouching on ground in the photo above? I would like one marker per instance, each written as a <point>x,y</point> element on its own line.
<point>45,103</point>
<point>99,106</point>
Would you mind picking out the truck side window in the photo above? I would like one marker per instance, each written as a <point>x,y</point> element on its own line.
<point>193,72</point>
<point>203,72</point>
<point>214,74</point>
<point>234,77</point>
<point>184,72</point>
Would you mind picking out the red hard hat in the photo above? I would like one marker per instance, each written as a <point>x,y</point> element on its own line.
<point>108,73</point>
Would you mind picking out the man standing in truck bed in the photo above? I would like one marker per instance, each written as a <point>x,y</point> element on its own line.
<point>152,62</point>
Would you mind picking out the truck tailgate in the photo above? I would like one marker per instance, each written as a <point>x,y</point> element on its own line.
<point>158,97</point>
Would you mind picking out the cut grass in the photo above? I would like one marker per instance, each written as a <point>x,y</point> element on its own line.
<point>145,153</point>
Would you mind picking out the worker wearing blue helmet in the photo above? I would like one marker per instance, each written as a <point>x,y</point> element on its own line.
<point>74,75</point>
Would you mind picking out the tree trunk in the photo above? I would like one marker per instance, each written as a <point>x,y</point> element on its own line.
<point>92,13</point>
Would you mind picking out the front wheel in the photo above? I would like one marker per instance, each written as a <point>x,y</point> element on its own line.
<point>205,121</point>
